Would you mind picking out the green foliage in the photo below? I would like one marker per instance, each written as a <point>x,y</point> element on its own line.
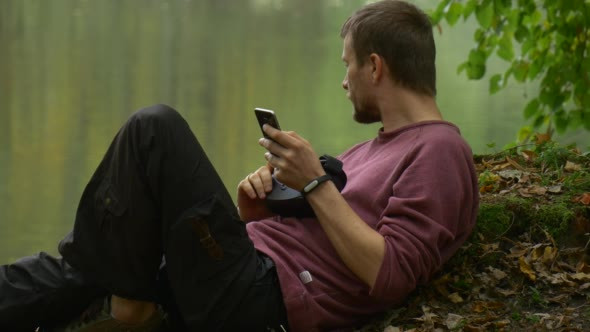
<point>546,41</point>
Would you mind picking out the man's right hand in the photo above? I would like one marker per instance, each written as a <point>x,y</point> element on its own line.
<point>252,193</point>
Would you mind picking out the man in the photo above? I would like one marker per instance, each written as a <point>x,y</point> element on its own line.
<point>409,203</point>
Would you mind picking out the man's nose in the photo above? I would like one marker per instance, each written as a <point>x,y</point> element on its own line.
<point>345,83</point>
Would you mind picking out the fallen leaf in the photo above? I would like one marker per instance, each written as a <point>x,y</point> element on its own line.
<point>554,189</point>
<point>581,276</point>
<point>392,329</point>
<point>502,323</point>
<point>549,255</point>
<point>529,155</point>
<point>486,189</point>
<point>561,298</point>
<point>514,163</point>
<point>572,167</point>
<point>542,138</point>
<point>455,297</point>
<point>497,274</point>
<point>479,307</point>
<point>454,321</point>
<point>583,267</point>
<point>524,179</point>
<point>526,268</point>
<point>509,174</point>
<point>537,190</point>
<point>584,199</point>
<point>505,292</point>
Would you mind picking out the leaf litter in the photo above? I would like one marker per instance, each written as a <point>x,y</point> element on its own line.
<point>528,281</point>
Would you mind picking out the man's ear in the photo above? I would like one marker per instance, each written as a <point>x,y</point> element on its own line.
<point>377,67</point>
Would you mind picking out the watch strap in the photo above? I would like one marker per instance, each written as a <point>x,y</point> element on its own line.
<point>314,183</point>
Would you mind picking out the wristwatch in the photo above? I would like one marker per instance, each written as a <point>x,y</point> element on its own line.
<point>314,183</point>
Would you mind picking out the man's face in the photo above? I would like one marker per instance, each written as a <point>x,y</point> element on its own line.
<point>357,84</point>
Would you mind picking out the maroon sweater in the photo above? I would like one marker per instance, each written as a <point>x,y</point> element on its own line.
<point>417,187</point>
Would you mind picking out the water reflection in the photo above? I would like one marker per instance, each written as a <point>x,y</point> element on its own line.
<point>72,71</point>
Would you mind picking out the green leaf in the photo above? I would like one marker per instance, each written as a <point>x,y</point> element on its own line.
<point>454,12</point>
<point>539,120</point>
<point>475,71</point>
<point>502,6</point>
<point>531,109</point>
<point>469,8</point>
<point>524,133</point>
<point>476,67</point>
<point>437,14</point>
<point>495,83</point>
<point>536,67</point>
<point>521,33</point>
<point>519,70</point>
<point>561,121</point>
<point>479,35</point>
<point>505,49</point>
<point>485,14</point>
<point>477,56</point>
<point>462,67</point>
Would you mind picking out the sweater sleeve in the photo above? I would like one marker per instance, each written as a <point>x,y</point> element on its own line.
<point>428,216</point>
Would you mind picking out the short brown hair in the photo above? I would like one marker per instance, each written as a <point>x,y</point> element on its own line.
<point>400,33</point>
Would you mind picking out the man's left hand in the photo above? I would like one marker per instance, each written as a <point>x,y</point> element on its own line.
<point>295,162</point>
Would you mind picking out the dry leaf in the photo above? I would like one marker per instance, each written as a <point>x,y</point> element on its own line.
<point>392,329</point>
<point>584,199</point>
<point>583,267</point>
<point>497,274</point>
<point>529,155</point>
<point>572,167</point>
<point>581,276</point>
<point>453,321</point>
<point>502,323</point>
<point>549,255</point>
<point>542,138</point>
<point>509,174</point>
<point>526,268</point>
<point>514,163</point>
<point>505,292</point>
<point>455,298</point>
<point>556,189</point>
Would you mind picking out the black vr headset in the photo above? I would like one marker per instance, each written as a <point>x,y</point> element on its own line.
<point>288,202</point>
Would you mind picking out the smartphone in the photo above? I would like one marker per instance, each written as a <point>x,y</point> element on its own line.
<point>266,116</point>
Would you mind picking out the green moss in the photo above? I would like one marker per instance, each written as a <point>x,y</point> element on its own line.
<point>512,215</point>
<point>555,218</point>
<point>493,219</point>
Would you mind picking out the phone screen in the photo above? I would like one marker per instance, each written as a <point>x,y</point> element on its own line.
<point>266,116</point>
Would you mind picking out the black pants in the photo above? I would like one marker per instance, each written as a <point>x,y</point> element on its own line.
<point>154,201</point>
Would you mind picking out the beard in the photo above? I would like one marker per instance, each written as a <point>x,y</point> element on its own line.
<point>366,112</point>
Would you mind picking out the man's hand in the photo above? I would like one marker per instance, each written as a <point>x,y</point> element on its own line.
<point>252,193</point>
<point>294,160</point>
<point>296,164</point>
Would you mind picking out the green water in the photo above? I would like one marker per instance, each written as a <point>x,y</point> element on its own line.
<point>71,71</point>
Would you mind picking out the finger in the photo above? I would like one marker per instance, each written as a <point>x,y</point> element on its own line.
<point>257,184</point>
<point>278,136</point>
<point>275,161</point>
<point>266,176</point>
<point>247,188</point>
<point>273,147</point>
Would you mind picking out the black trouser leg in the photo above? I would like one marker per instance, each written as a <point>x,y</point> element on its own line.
<point>156,194</point>
<point>41,290</point>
